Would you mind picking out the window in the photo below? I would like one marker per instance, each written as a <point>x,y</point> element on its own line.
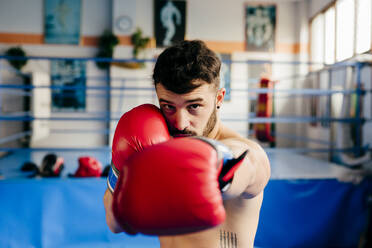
<point>363,26</point>
<point>341,31</point>
<point>317,39</point>
<point>330,33</point>
<point>345,29</point>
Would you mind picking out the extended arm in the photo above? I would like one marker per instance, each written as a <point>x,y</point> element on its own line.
<point>110,220</point>
<point>252,176</point>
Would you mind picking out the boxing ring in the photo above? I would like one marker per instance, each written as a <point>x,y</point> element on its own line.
<point>315,197</point>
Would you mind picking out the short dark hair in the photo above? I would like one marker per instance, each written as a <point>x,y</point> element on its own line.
<point>178,66</point>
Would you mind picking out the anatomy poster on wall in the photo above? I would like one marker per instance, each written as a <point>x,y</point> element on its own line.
<point>69,81</point>
<point>170,19</point>
<point>62,21</point>
<point>260,23</point>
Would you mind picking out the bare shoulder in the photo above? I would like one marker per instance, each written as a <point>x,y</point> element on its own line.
<point>237,142</point>
<point>252,177</point>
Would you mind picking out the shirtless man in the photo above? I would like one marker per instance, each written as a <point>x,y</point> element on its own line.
<point>186,78</point>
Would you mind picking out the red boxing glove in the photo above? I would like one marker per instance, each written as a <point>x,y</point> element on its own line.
<point>88,167</point>
<point>138,128</point>
<point>171,188</point>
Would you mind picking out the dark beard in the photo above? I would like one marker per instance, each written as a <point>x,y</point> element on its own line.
<point>210,124</point>
<point>207,130</point>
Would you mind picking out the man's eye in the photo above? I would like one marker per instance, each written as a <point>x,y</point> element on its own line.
<point>168,107</point>
<point>194,106</point>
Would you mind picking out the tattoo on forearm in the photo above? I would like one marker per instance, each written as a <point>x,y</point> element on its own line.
<point>228,239</point>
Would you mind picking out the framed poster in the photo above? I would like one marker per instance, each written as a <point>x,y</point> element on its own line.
<point>62,21</point>
<point>225,75</point>
<point>69,76</point>
<point>260,22</point>
<point>170,19</point>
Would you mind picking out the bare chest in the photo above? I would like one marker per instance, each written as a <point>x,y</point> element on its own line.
<point>238,231</point>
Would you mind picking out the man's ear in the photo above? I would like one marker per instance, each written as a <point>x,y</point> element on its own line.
<point>220,96</point>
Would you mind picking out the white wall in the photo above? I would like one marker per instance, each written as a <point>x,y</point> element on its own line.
<point>23,16</point>
<point>215,21</point>
<point>20,16</point>
<point>96,17</point>
<point>219,20</point>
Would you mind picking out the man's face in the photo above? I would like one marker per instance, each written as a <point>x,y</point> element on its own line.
<point>190,114</point>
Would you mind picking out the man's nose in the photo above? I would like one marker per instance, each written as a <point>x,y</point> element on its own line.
<point>181,121</point>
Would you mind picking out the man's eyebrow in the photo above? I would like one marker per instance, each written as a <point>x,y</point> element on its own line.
<point>195,100</point>
<point>163,100</point>
<point>188,101</point>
